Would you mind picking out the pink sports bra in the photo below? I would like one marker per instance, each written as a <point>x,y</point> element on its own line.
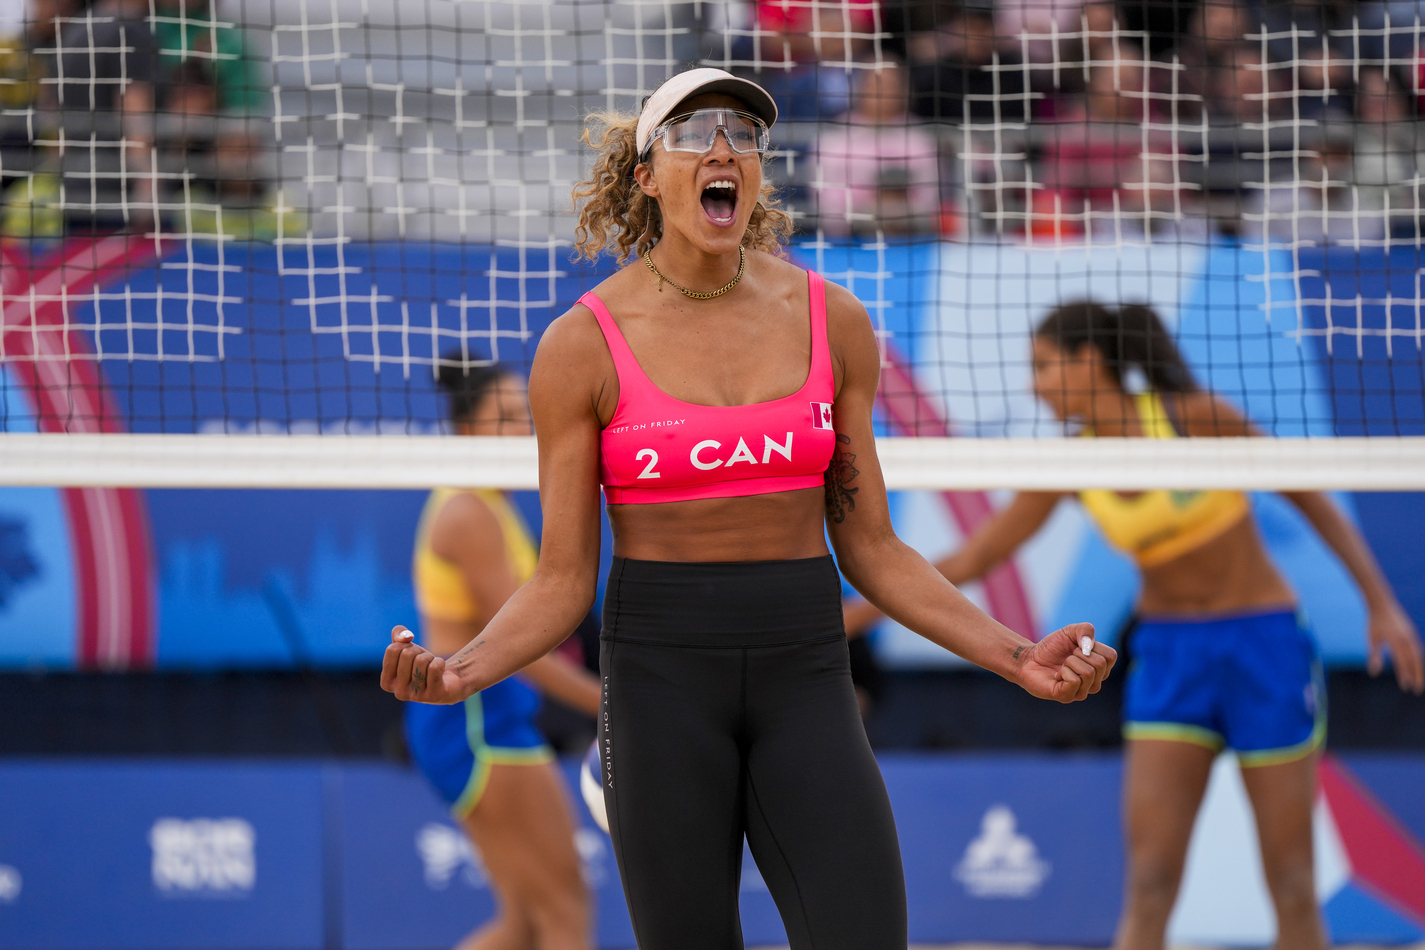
<point>657,448</point>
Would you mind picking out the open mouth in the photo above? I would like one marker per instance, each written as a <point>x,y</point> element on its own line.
<point>719,200</point>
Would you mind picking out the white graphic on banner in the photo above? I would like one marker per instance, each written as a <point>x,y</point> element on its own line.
<point>1001,862</point>
<point>10,884</point>
<point>204,855</point>
<point>443,851</point>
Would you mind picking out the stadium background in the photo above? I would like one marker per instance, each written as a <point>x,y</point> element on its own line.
<point>247,621</point>
<point>271,578</point>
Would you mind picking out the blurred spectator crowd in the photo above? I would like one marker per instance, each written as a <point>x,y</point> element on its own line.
<point>1278,121</point>
<point>1269,120</point>
<point>134,115</point>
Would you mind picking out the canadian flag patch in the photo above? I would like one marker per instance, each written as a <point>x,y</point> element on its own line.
<point>821,415</point>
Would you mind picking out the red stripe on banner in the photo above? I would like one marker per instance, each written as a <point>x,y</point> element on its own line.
<point>1384,856</point>
<point>108,526</point>
<point>14,268</point>
<point>912,413</point>
<point>86,575</point>
<point>140,645</point>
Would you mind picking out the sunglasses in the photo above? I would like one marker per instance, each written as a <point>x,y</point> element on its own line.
<point>696,131</point>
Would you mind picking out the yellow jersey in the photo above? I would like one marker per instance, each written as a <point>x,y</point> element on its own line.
<point>1156,526</point>
<point>441,593</point>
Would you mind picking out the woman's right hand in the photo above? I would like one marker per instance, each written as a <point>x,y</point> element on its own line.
<point>1388,628</point>
<point>415,674</point>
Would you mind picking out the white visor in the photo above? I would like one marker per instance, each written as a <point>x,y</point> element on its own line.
<point>659,107</point>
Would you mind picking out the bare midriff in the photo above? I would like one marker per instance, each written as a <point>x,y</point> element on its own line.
<point>1229,574</point>
<point>772,527</point>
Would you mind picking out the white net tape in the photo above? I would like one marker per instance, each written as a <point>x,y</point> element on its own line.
<point>1253,177</point>
<point>298,461</point>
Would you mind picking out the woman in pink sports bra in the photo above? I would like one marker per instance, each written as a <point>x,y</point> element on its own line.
<point>722,399</point>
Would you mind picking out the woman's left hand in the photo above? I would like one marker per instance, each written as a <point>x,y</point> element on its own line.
<point>1389,628</point>
<point>1056,667</point>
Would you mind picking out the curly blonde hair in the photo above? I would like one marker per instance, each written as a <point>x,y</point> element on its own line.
<point>616,216</point>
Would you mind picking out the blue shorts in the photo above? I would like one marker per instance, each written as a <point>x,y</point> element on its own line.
<point>1251,683</point>
<point>454,746</point>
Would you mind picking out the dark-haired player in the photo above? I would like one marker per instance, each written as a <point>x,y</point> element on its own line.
<point>486,756</point>
<point>1219,656</point>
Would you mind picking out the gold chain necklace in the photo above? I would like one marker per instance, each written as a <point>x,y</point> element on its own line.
<point>741,265</point>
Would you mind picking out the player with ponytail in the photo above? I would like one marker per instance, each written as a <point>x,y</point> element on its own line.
<point>486,756</point>
<point>1219,657</point>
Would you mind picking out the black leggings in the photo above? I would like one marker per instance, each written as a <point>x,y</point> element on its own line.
<point>729,711</point>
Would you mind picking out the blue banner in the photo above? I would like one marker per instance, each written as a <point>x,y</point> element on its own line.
<point>1011,848</point>
<point>993,851</point>
<point>150,856</point>
<point>409,876</point>
<point>341,342</point>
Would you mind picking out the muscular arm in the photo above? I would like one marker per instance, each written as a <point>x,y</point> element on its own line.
<point>469,535</point>
<point>1343,538</point>
<point>1388,626</point>
<point>897,579</point>
<point>986,549</point>
<point>564,386</point>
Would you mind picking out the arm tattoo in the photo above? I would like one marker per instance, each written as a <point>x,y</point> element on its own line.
<point>840,496</point>
<point>467,651</point>
<point>1017,651</point>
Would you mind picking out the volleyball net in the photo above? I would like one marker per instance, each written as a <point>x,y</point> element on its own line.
<point>241,240</point>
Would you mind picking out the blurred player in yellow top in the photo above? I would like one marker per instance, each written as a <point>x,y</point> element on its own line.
<point>1218,657</point>
<point>486,756</point>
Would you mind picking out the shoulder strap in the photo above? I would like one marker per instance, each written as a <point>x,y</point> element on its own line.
<point>624,361</point>
<point>1153,416</point>
<point>434,502</point>
<point>820,339</point>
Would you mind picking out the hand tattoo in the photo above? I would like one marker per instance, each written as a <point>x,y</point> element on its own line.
<point>418,679</point>
<point>840,496</point>
<point>1017,651</point>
